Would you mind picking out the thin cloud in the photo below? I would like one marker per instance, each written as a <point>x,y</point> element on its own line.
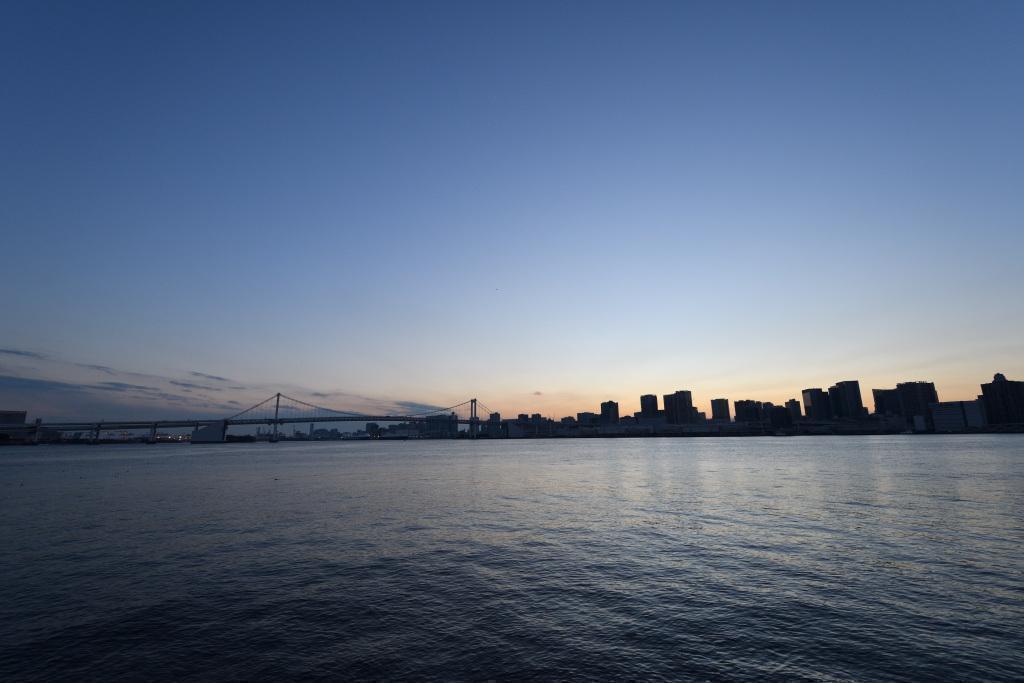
<point>122,386</point>
<point>29,384</point>
<point>105,369</point>
<point>190,385</point>
<point>23,354</point>
<point>214,378</point>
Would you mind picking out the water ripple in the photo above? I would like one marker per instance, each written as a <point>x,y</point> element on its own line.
<point>867,558</point>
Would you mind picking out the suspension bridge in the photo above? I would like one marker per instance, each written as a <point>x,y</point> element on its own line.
<point>274,412</point>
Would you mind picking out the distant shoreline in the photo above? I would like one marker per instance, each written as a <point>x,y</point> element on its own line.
<point>716,435</point>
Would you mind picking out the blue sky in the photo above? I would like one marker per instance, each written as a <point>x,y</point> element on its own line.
<point>541,204</point>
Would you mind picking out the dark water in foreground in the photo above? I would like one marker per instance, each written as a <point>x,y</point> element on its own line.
<point>776,558</point>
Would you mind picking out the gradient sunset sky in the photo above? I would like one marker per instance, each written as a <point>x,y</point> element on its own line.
<point>544,205</point>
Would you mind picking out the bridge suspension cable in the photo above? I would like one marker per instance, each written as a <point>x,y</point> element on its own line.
<point>281,405</point>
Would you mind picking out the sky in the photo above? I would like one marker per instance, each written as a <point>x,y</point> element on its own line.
<point>543,205</point>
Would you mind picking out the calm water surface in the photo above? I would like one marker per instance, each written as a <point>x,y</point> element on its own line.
<point>864,558</point>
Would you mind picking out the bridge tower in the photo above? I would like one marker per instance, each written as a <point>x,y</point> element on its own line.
<point>474,421</point>
<point>277,408</point>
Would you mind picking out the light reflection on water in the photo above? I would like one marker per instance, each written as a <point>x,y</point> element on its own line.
<point>818,558</point>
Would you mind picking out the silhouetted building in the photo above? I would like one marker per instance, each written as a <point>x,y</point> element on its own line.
<point>439,427</point>
<point>12,425</point>
<point>720,409</point>
<point>649,405</point>
<point>845,400</point>
<point>679,408</point>
<point>887,401</point>
<point>816,404</point>
<point>957,416</point>
<point>587,419</point>
<point>780,417</point>
<point>609,413</point>
<point>13,417</point>
<point>1004,400</point>
<point>915,397</point>
<point>793,406</point>
<point>748,411</point>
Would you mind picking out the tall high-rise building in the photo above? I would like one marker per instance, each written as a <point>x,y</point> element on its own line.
<point>816,404</point>
<point>748,411</point>
<point>679,408</point>
<point>1004,400</point>
<point>915,397</point>
<point>793,406</point>
<point>845,399</point>
<point>780,417</point>
<point>649,405</point>
<point>887,401</point>
<point>720,409</point>
<point>609,413</point>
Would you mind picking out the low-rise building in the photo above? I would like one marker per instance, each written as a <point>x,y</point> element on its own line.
<point>957,416</point>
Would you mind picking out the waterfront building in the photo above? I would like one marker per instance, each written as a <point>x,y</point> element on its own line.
<point>780,417</point>
<point>12,418</point>
<point>793,406</point>
<point>609,413</point>
<point>12,425</point>
<point>649,405</point>
<point>816,404</point>
<point>844,398</point>
<point>748,411</point>
<point>1003,400</point>
<point>720,409</point>
<point>439,427</point>
<point>679,408</point>
<point>915,397</point>
<point>587,419</point>
<point>957,416</point>
<point>887,401</point>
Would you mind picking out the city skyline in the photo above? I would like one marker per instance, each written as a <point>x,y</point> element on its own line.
<point>128,394</point>
<point>545,204</point>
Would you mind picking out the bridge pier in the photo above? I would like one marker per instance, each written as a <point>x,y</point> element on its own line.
<point>152,434</point>
<point>96,434</point>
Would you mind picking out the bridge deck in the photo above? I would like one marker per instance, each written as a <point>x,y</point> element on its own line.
<point>109,425</point>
